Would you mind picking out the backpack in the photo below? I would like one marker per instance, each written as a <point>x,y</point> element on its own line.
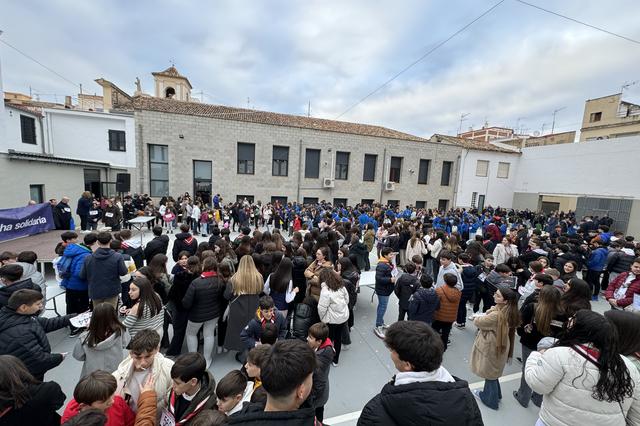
<point>64,267</point>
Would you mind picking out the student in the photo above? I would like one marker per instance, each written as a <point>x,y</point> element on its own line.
<point>233,391</point>
<point>385,281</point>
<point>102,346</point>
<point>191,390</point>
<point>406,284</point>
<point>265,313</point>
<point>10,277</point>
<point>147,312</point>
<point>287,375</point>
<point>447,266</point>
<point>98,391</point>
<point>424,302</point>
<point>189,270</point>
<point>596,263</point>
<point>24,400</point>
<point>209,418</point>
<point>184,242</point>
<point>622,289</point>
<point>102,270</point>
<point>422,388</point>
<point>28,260</point>
<point>143,361</point>
<point>470,275</point>
<point>333,308</point>
<point>318,340</point>
<point>23,332</point>
<point>76,289</point>
<point>444,317</point>
<point>253,365</point>
<point>279,285</point>
<point>158,245</point>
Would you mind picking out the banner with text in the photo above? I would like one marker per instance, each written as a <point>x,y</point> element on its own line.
<point>24,221</point>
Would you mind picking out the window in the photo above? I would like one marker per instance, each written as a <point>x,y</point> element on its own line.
<point>202,179</point>
<point>367,201</point>
<point>117,140</point>
<point>28,129</point>
<point>474,197</point>
<point>280,166</point>
<point>595,116</point>
<point>421,204</point>
<point>281,200</point>
<point>240,198</point>
<point>246,158</point>
<point>342,165</point>
<point>482,168</point>
<point>443,204</point>
<point>423,172</point>
<point>36,193</point>
<point>339,202</point>
<point>395,169</point>
<point>445,180</point>
<point>393,203</point>
<point>369,173</point>
<point>92,181</point>
<point>310,200</point>
<point>312,163</point>
<point>158,170</point>
<point>503,170</point>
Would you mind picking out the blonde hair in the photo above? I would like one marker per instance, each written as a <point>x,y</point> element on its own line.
<point>247,280</point>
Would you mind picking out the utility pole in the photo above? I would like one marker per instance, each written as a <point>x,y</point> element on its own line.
<point>309,109</point>
<point>553,124</point>
<point>463,117</point>
<point>517,129</point>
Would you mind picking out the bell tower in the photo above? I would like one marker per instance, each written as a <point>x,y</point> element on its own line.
<point>170,84</point>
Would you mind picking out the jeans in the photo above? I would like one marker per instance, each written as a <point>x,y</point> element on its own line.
<point>335,334</point>
<point>401,313</point>
<point>208,331</point>
<point>444,329</point>
<point>83,222</point>
<point>491,394</point>
<point>593,279</point>
<point>462,307</point>
<point>524,393</point>
<point>383,301</point>
<point>179,330</point>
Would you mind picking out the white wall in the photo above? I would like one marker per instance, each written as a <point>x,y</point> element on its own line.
<point>497,191</point>
<point>85,136</point>
<point>13,132</point>
<point>607,167</point>
<point>2,113</point>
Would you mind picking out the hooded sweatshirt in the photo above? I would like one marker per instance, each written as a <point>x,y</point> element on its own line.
<point>119,414</point>
<point>105,356</point>
<point>30,271</point>
<point>103,270</point>
<point>7,290</point>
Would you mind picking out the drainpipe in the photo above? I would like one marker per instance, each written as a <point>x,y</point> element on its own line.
<point>299,170</point>
<point>46,137</point>
<point>384,169</point>
<point>455,186</point>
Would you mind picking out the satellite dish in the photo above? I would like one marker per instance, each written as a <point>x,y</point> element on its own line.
<point>536,133</point>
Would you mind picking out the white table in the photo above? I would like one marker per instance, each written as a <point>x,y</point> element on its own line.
<point>368,279</point>
<point>139,223</point>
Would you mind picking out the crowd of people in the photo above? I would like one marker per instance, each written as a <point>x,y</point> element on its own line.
<point>281,295</point>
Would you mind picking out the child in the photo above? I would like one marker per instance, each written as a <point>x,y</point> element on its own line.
<point>318,340</point>
<point>446,314</point>
<point>405,286</point>
<point>470,279</point>
<point>101,346</point>
<point>266,313</point>
<point>255,359</point>
<point>424,302</point>
<point>233,391</point>
<point>555,274</point>
<point>204,222</point>
<point>191,389</point>
<point>98,391</point>
<point>417,260</point>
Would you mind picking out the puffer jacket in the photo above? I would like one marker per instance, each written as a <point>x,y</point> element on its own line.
<point>449,301</point>
<point>204,298</point>
<point>333,306</point>
<point>384,286</point>
<point>77,253</point>
<point>633,288</point>
<point>320,391</point>
<point>304,317</point>
<point>422,305</point>
<point>160,371</point>
<point>7,290</point>
<point>25,337</point>
<point>620,261</point>
<point>30,271</point>
<point>253,330</point>
<point>566,380</point>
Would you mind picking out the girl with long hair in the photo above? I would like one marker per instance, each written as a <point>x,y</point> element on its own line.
<point>159,277</point>
<point>24,400</point>
<point>415,246</point>
<point>181,281</point>
<point>494,344</point>
<point>569,271</point>
<point>147,311</point>
<point>577,296</point>
<point>101,346</point>
<point>628,327</point>
<point>333,308</point>
<point>583,377</point>
<point>279,286</point>
<point>351,278</point>
<point>312,273</point>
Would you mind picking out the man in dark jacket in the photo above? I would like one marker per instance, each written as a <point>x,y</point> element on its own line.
<point>266,313</point>
<point>62,214</point>
<point>102,270</point>
<point>158,245</point>
<point>384,287</point>
<point>287,376</point>
<point>184,241</point>
<point>406,285</point>
<point>192,388</point>
<point>422,389</point>
<point>319,341</point>
<point>23,332</point>
<point>424,302</point>
<point>77,289</point>
<point>10,276</point>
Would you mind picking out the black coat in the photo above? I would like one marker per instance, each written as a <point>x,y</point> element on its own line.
<point>254,414</point>
<point>25,337</point>
<point>303,318</point>
<point>384,286</point>
<point>204,299</point>
<point>181,281</point>
<point>40,409</point>
<point>184,241</point>
<point>102,270</point>
<point>297,276</point>
<point>406,285</point>
<point>158,245</point>
<point>350,280</point>
<point>422,305</point>
<point>62,216</point>
<point>620,262</point>
<point>320,390</point>
<point>8,290</point>
<point>426,403</point>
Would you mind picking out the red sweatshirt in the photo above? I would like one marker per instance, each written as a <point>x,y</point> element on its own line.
<point>119,414</point>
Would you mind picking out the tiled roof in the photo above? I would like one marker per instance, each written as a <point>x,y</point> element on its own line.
<point>173,106</point>
<point>171,72</point>
<point>35,156</point>
<point>31,109</point>
<point>471,144</point>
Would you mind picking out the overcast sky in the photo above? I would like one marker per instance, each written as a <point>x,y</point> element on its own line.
<point>515,63</point>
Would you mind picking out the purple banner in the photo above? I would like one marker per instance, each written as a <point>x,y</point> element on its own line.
<point>25,221</point>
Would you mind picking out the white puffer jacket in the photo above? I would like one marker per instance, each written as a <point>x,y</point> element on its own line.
<point>566,380</point>
<point>160,370</point>
<point>333,306</point>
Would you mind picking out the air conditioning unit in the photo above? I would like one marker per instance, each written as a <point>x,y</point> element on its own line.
<point>389,186</point>
<point>328,183</point>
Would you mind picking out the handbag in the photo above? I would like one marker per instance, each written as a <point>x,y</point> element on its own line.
<point>225,315</point>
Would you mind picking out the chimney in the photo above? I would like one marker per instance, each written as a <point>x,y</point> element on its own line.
<point>67,102</point>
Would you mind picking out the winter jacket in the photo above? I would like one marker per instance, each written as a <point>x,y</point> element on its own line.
<point>598,259</point>
<point>422,403</point>
<point>333,306</point>
<point>118,414</point>
<point>112,217</point>
<point>351,280</point>
<point>303,318</point>
<point>405,286</point>
<point>158,245</point>
<point>384,286</point>
<point>184,242</point>
<point>632,288</point>
<point>45,399</point>
<point>418,248</point>
<point>369,239</point>
<point>297,276</point>
<point>253,414</point>
<point>320,391</point>
<point>161,373</point>
<point>77,253</point>
<point>470,278</point>
<point>449,301</point>
<point>566,380</point>
<point>422,305</point>
<point>7,290</point>
<point>30,271</point>
<point>205,399</point>
<point>312,273</point>
<point>495,279</point>
<point>528,330</point>
<point>102,270</point>
<point>62,216</point>
<point>362,255</point>
<point>106,355</point>
<point>25,337</point>
<point>134,249</point>
<point>620,261</point>
<point>181,281</point>
<point>83,207</point>
<point>242,309</point>
<point>502,253</point>
<point>531,255</point>
<point>487,361</point>
<point>451,269</point>
<point>253,330</point>
<point>204,298</point>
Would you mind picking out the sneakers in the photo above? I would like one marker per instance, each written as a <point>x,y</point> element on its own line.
<point>346,347</point>
<point>384,326</point>
<point>379,331</point>
<point>335,364</point>
<point>476,393</point>
<point>460,326</point>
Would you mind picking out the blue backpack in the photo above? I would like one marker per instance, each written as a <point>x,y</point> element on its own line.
<point>64,267</point>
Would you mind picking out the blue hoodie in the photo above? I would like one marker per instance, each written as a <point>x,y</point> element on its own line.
<point>77,252</point>
<point>598,259</point>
